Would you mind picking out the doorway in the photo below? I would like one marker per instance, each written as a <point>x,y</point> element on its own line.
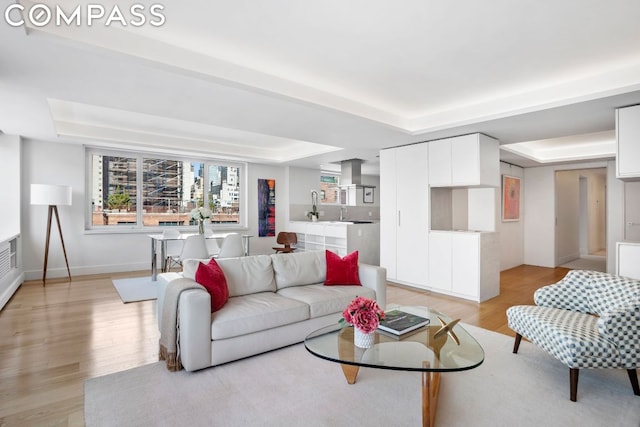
<point>581,219</point>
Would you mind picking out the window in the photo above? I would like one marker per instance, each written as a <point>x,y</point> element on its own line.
<point>169,188</point>
<point>329,190</point>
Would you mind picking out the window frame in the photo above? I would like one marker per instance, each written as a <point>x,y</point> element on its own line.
<point>139,226</point>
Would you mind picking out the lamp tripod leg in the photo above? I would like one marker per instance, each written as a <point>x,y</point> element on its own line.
<point>64,250</point>
<point>46,246</point>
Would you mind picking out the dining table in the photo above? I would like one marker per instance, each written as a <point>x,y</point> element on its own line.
<point>160,241</point>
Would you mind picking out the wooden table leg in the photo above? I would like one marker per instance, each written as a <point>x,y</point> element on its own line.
<point>430,388</point>
<point>350,373</point>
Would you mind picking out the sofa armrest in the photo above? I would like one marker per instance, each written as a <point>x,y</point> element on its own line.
<point>374,277</point>
<point>194,310</point>
<point>161,288</point>
<point>570,293</point>
<point>622,327</point>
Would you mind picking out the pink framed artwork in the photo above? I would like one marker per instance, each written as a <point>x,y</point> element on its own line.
<point>510,198</point>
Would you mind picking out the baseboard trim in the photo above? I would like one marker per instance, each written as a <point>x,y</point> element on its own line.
<point>53,273</point>
<point>11,288</point>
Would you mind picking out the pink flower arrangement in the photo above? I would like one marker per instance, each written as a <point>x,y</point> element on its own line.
<point>364,314</point>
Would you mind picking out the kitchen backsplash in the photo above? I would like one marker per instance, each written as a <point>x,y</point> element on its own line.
<point>332,212</point>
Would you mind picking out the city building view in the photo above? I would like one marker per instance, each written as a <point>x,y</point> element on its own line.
<point>170,189</point>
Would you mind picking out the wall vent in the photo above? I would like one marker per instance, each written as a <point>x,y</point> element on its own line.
<point>5,259</point>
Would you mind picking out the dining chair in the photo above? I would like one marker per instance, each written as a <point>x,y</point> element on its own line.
<point>286,239</point>
<point>172,247</point>
<point>212,244</point>
<point>231,246</point>
<point>194,247</point>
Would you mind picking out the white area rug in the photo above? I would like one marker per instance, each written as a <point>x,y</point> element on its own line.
<point>136,289</point>
<point>292,387</point>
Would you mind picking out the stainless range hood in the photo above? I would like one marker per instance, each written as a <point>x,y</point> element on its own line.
<point>351,174</point>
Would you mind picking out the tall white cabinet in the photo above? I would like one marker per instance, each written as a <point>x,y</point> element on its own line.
<point>404,214</point>
<point>426,241</point>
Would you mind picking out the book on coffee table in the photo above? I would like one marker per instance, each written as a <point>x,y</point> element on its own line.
<point>400,322</point>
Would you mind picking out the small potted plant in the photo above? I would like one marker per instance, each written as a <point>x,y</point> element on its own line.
<point>365,315</point>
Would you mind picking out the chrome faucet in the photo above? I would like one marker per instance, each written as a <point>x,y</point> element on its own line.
<point>343,211</point>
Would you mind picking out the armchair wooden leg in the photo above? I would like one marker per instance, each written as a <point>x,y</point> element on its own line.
<point>633,377</point>
<point>573,380</point>
<point>516,344</point>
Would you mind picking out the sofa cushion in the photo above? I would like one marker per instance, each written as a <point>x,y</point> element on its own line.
<point>324,300</point>
<point>342,271</point>
<point>248,275</point>
<point>299,268</point>
<point>210,276</point>
<point>256,312</point>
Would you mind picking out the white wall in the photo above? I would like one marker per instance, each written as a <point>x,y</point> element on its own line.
<point>302,181</point>
<point>512,232</point>
<point>10,189</point>
<point>10,155</point>
<point>93,252</point>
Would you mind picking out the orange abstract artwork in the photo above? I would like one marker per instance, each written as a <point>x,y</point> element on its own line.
<point>510,198</point>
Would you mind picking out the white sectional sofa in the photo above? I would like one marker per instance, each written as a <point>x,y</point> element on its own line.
<point>274,301</point>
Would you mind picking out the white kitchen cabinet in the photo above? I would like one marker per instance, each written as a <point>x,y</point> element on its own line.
<point>464,161</point>
<point>440,162</point>
<point>628,255</point>
<point>341,238</point>
<point>464,264</point>
<point>404,214</point>
<point>628,143</point>
<point>440,261</point>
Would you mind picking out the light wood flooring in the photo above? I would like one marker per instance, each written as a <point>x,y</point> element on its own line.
<point>53,338</point>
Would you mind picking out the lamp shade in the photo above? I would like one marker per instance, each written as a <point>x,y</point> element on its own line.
<point>46,194</point>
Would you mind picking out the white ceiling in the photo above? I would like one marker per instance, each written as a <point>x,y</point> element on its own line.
<point>313,83</point>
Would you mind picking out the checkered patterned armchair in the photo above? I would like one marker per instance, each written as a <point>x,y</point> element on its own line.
<point>587,320</point>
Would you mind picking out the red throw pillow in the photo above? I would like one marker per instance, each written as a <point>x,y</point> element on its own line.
<point>342,271</point>
<point>212,278</point>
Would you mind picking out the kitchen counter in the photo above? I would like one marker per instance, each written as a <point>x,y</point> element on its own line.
<point>341,237</point>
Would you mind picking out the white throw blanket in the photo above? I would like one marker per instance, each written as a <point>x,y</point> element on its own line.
<point>169,327</point>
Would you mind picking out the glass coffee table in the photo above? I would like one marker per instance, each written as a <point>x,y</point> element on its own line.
<point>442,346</point>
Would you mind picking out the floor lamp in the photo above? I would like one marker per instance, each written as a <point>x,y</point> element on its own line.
<point>51,195</point>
